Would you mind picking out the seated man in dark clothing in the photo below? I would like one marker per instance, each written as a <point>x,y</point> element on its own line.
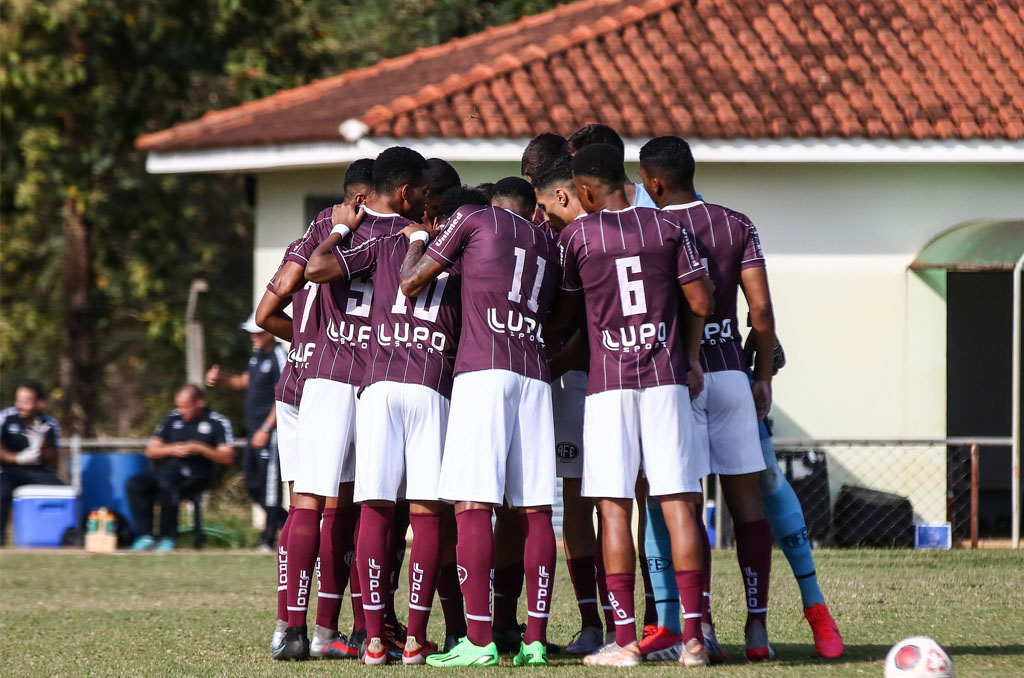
<point>29,439</point>
<point>189,441</point>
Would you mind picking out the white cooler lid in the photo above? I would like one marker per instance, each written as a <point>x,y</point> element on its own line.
<point>44,492</point>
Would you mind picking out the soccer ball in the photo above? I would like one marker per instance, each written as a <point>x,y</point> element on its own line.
<point>918,657</point>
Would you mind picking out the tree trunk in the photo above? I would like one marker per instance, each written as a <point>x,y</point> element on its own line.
<point>78,362</point>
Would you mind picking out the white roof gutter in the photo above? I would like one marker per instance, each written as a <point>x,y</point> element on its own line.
<point>327,153</point>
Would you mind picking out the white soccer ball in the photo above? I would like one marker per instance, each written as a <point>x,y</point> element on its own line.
<point>918,657</point>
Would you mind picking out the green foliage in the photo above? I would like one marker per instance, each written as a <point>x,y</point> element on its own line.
<point>80,80</point>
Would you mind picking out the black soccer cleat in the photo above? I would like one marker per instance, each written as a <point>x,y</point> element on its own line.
<point>508,640</point>
<point>295,646</point>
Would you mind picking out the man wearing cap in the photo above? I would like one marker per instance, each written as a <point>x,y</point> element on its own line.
<point>262,474</point>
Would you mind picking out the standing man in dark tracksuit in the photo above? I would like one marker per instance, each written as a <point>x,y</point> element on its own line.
<point>262,472</point>
<point>29,439</point>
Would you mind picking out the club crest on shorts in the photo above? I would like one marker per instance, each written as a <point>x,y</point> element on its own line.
<point>462,575</point>
<point>566,451</point>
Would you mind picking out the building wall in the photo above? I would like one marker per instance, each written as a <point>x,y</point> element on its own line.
<point>864,337</point>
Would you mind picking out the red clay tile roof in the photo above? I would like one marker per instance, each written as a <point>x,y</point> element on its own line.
<point>705,69</point>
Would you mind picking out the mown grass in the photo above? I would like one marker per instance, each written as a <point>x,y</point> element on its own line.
<point>189,614</point>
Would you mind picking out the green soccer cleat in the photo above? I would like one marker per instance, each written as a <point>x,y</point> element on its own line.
<point>534,654</point>
<point>466,654</point>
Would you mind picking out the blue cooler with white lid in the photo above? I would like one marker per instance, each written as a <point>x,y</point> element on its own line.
<point>43,513</point>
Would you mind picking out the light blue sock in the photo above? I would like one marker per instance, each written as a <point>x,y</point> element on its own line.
<point>787,519</point>
<point>659,560</point>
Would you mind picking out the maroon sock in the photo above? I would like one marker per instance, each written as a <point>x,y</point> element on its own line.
<point>602,588</point>
<point>475,553</point>
<point>754,553</point>
<point>372,548</point>
<point>650,609</point>
<point>423,565</point>
<point>399,530</point>
<point>355,591</point>
<point>539,560</point>
<point>450,594</point>
<point>620,597</point>
<point>508,586</point>
<point>330,588</point>
<point>282,568</point>
<point>303,542</point>
<point>688,582</point>
<point>583,575</point>
<point>705,580</point>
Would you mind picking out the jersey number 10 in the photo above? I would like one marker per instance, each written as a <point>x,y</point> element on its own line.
<point>428,302</point>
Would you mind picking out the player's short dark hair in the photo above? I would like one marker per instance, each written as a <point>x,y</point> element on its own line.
<point>359,173</point>
<point>515,188</point>
<point>397,166</point>
<point>194,391</point>
<point>456,197</point>
<point>541,148</point>
<point>441,176</point>
<point>594,133</point>
<point>487,188</point>
<point>34,386</point>
<point>671,159</point>
<point>555,171</point>
<point>600,161</point>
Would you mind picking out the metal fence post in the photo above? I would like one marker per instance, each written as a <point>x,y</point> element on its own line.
<point>76,463</point>
<point>974,496</point>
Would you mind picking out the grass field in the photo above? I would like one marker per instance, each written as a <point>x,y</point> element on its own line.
<point>210,614</point>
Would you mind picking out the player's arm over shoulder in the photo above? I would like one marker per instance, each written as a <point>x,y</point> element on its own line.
<point>422,265</point>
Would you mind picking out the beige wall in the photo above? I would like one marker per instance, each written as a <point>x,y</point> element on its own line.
<point>864,337</point>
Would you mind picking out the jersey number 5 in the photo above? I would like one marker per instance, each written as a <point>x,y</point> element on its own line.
<point>631,292</point>
<point>514,294</point>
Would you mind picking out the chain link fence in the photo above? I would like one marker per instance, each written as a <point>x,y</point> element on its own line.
<point>853,492</point>
<point>884,493</point>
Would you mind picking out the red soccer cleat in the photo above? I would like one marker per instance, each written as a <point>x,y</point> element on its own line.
<point>660,644</point>
<point>414,653</point>
<point>827,640</point>
<point>375,652</point>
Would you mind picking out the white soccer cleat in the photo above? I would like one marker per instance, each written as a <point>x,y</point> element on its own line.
<point>614,655</point>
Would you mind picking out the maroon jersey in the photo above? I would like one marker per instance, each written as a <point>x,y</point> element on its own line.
<point>630,265</point>
<point>509,270</point>
<point>727,243</point>
<point>414,340</point>
<point>340,311</point>
<point>539,217</point>
<point>289,386</point>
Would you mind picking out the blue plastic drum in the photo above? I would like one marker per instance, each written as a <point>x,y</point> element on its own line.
<point>104,475</point>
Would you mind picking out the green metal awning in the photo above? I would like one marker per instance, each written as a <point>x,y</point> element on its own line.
<point>983,245</point>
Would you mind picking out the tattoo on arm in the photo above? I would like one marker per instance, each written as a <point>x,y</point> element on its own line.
<point>418,271</point>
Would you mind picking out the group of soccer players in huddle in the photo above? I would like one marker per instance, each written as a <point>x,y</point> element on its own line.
<point>453,351</point>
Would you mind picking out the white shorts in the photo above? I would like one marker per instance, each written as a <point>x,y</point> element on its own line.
<point>327,427</point>
<point>499,441</point>
<point>725,424</point>
<point>567,397</point>
<point>287,439</point>
<point>401,441</point>
<point>652,425</point>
